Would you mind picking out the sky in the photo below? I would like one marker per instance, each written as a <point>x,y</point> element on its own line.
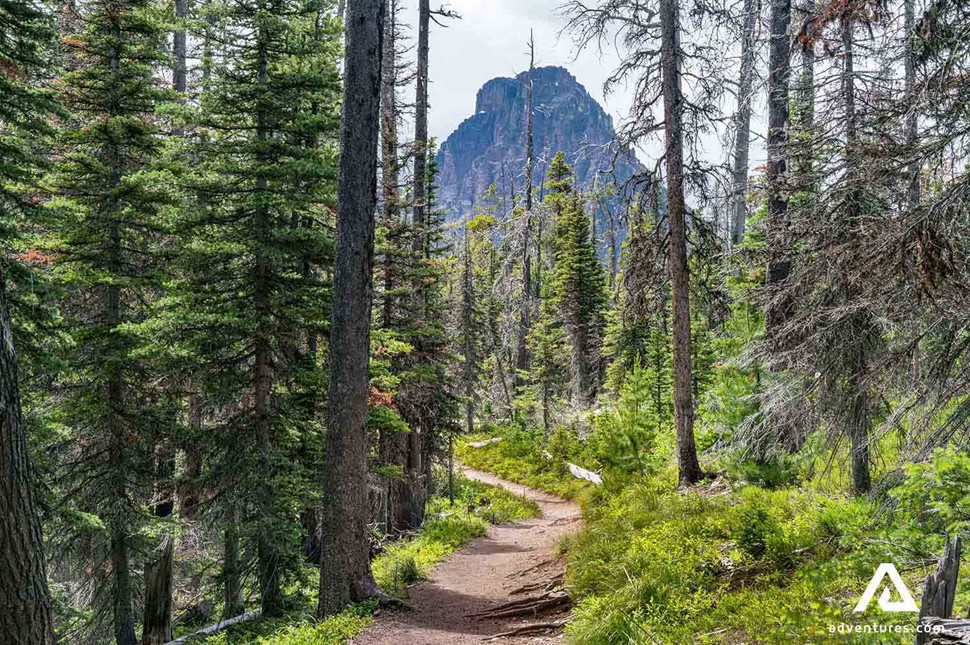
<point>491,40</point>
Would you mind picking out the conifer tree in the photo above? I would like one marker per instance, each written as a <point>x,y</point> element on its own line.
<point>345,571</point>
<point>25,617</point>
<point>250,297</point>
<point>106,222</point>
<point>579,282</point>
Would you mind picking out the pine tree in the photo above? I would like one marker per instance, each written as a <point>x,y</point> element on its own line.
<point>345,572</point>
<point>26,618</point>
<point>106,219</point>
<point>247,306</point>
<point>24,595</point>
<point>578,281</point>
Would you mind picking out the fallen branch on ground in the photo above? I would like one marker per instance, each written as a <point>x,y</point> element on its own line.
<point>482,444</point>
<point>582,473</point>
<point>548,585</point>
<point>215,629</point>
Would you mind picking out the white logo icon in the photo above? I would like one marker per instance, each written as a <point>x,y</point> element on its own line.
<point>885,569</point>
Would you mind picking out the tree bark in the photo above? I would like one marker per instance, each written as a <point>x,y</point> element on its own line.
<point>180,69</point>
<point>232,568</point>
<point>522,348</point>
<point>415,466</point>
<point>467,306</point>
<point>267,544</point>
<point>121,591</point>
<point>392,445</point>
<point>157,628</point>
<point>345,572</point>
<point>909,24</point>
<point>25,603</point>
<point>779,72</point>
<point>742,120</point>
<point>688,465</point>
<point>861,330</point>
<point>390,192</point>
<point>189,490</point>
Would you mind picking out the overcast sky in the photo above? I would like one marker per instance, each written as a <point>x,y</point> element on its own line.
<point>491,40</point>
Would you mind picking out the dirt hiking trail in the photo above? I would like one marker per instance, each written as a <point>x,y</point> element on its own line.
<point>515,563</point>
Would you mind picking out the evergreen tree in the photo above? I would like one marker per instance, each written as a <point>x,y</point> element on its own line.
<point>106,217</point>
<point>579,282</point>
<point>26,617</point>
<point>249,300</point>
<point>345,571</point>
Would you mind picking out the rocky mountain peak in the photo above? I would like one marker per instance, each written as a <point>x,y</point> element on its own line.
<point>489,147</point>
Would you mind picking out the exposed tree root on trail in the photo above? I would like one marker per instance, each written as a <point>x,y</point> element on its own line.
<point>533,629</point>
<point>531,606</point>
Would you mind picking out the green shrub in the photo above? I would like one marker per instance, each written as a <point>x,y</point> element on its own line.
<point>936,494</point>
<point>755,529</point>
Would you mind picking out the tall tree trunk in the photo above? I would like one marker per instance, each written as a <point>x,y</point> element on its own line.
<point>157,619</point>
<point>393,446</point>
<point>25,602</point>
<point>861,330</point>
<point>522,348</point>
<point>180,69</point>
<point>467,306</point>
<point>390,192</point>
<point>742,120</point>
<point>122,611</point>
<point>267,547</point>
<point>232,567</point>
<point>612,256</point>
<point>909,24</point>
<point>189,490</point>
<point>779,72</point>
<point>419,224</point>
<point>802,153</point>
<point>688,466</point>
<point>911,125</point>
<point>345,572</point>
<point>157,628</point>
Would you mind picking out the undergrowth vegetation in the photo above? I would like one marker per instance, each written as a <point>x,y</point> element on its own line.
<point>402,563</point>
<point>734,560</point>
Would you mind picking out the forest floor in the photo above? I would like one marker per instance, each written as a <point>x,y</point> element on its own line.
<point>513,563</point>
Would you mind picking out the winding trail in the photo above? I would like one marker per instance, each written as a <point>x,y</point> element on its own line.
<point>481,576</point>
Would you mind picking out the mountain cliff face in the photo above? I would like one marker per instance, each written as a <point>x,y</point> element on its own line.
<point>489,147</point>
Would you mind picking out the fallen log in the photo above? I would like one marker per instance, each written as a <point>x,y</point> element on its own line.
<point>582,473</point>
<point>942,631</point>
<point>486,442</point>
<point>211,630</point>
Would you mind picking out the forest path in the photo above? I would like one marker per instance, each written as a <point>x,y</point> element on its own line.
<point>484,575</point>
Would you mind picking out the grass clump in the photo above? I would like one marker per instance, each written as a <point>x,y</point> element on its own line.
<point>299,629</point>
<point>528,457</point>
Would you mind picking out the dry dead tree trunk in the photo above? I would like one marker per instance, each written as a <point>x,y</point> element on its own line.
<point>940,590</point>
